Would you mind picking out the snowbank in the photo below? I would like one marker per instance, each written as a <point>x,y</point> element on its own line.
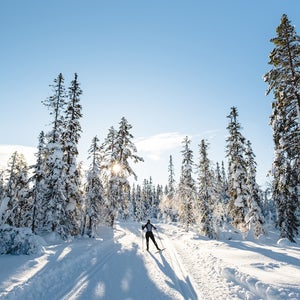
<point>19,241</point>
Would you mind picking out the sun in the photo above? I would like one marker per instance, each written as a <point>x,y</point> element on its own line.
<point>116,168</point>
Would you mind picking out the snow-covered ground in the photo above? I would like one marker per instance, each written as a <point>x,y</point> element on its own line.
<point>115,266</point>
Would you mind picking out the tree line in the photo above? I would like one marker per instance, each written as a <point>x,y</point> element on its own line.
<point>57,195</point>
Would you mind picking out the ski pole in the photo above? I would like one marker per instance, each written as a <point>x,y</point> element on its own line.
<point>160,239</point>
<point>142,240</point>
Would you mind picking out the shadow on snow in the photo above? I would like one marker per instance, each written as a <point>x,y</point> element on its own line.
<point>184,287</point>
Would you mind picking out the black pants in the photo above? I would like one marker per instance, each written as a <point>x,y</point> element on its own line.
<point>149,234</point>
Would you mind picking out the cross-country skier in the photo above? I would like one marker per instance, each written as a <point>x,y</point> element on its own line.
<point>149,234</point>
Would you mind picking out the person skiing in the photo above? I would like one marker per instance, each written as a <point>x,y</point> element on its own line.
<point>149,234</point>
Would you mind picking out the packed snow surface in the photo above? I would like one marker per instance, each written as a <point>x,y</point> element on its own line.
<point>115,265</point>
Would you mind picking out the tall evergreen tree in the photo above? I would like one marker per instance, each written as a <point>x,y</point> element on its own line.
<point>125,148</point>
<point>225,182</point>
<point>158,198</point>
<point>133,196</point>
<point>70,138</point>
<point>168,207</point>
<point>283,79</point>
<point>187,193</point>
<point>206,195</point>
<point>254,217</point>
<point>109,157</point>
<point>140,204</point>
<point>147,197</point>
<point>269,206</point>
<point>81,177</point>
<point>119,150</point>
<point>95,203</point>
<point>171,178</point>
<point>17,204</point>
<point>54,198</point>
<point>221,184</point>
<point>284,82</point>
<point>151,198</point>
<point>38,185</point>
<point>237,171</point>
<point>109,154</point>
<point>220,210</point>
<point>56,104</point>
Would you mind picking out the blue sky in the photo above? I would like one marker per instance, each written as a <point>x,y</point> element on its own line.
<point>172,68</point>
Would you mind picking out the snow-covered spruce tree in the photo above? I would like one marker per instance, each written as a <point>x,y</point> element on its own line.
<point>151,198</point>
<point>269,206</point>
<point>70,138</point>
<point>133,198</point>
<point>158,198</point>
<point>140,205</point>
<point>167,204</point>
<point>38,185</point>
<point>186,193</point>
<point>171,178</point>
<point>94,193</point>
<point>218,182</point>
<point>221,184</point>
<point>284,82</point>
<point>225,184</point>
<point>109,155</point>
<point>220,210</point>
<point>206,197</point>
<point>254,216</point>
<point>237,172</point>
<point>147,197</point>
<point>81,177</point>
<point>56,105</point>
<point>118,150</point>
<point>131,206</point>
<point>16,203</point>
<point>54,197</point>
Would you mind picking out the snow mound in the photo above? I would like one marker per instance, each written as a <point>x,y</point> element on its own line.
<point>256,289</point>
<point>18,241</point>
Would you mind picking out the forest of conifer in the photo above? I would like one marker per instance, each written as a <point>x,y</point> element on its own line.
<point>57,194</point>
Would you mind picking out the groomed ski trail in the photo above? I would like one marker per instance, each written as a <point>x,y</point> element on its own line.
<point>209,282</point>
<point>63,272</point>
<point>114,266</point>
<point>111,267</point>
<point>212,266</point>
<point>165,269</point>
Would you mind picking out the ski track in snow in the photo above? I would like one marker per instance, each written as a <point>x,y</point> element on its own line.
<point>169,271</point>
<point>217,288</point>
<point>106,270</point>
<point>63,275</point>
<point>220,279</point>
<point>116,266</point>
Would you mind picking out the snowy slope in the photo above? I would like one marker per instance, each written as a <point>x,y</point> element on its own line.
<point>115,266</point>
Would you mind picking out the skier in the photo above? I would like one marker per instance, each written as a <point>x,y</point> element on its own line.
<point>149,234</point>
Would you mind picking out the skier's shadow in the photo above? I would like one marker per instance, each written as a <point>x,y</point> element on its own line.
<point>184,287</point>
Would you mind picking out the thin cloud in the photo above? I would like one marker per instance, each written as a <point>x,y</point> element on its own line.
<point>157,145</point>
<point>6,152</point>
<point>208,134</point>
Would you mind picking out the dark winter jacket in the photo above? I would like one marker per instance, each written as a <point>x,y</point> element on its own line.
<point>148,226</point>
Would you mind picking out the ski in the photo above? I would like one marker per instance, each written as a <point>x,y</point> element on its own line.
<point>160,250</point>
